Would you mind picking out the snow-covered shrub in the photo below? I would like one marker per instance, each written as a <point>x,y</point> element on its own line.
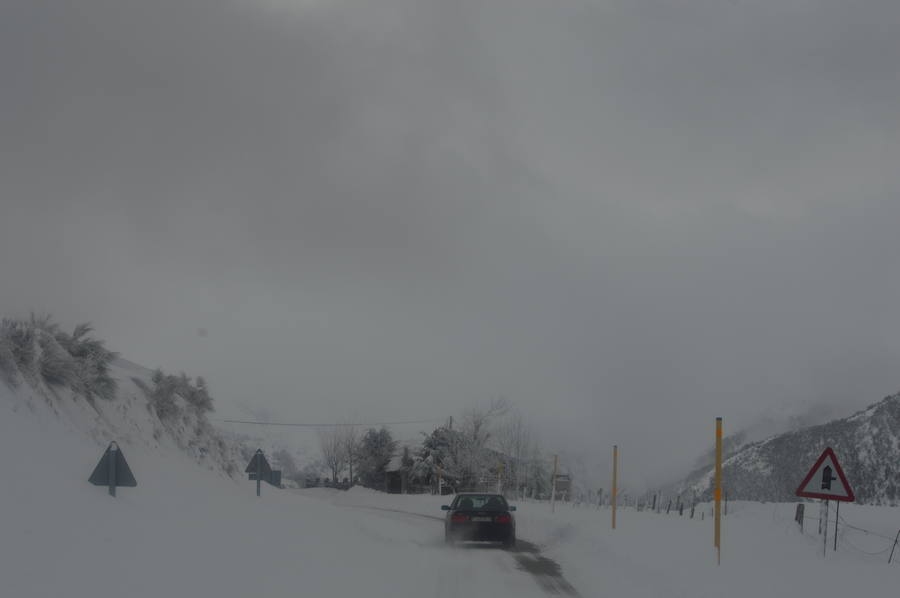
<point>92,360</point>
<point>20,341</point>
<point>9,370</point>
<point>167,391</point>
<point>198,396</point>
<point>55,364</point>
<point>38,351</point>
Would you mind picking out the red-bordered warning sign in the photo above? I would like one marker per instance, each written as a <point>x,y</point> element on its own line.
<point>826,480</point>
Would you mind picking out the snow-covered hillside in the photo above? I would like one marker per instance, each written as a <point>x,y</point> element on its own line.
<point>127,418</point>
<point>867,444</point>
<point>75,379</point>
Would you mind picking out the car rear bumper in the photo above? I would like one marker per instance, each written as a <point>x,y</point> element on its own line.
<point>480,532</point>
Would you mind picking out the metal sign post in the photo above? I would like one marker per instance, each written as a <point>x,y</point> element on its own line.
<point>837,518</point>
<point>799,516</point>
<point>114,449</point>
<point>826,480</point>
<point>259,470</point>
<point>893,546</point>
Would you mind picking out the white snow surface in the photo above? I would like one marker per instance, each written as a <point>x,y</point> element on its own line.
<point>190,530</point>
<point>763,551</point>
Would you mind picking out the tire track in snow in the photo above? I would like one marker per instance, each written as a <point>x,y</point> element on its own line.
<point>546,572</point>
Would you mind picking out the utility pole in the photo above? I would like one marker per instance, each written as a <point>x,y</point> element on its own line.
<point>615,483</point>
<point>553,485</point>
<point>454,453</point>
<point>259,463</point>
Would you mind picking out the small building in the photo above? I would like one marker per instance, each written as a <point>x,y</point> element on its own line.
<point>396,473</point>
<point>563,486</point>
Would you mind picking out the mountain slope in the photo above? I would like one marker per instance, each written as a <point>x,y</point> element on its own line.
<point>75,379</point>
<point>867,444</point>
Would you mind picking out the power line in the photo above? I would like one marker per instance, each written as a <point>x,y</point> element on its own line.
<point>304,425</point>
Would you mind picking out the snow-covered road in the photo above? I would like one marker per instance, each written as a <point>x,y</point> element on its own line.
<point>465,570</point>
<point>186,531</point>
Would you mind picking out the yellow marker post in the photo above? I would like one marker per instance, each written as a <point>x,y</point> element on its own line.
<point>615,483</point>
<point>718,491</point>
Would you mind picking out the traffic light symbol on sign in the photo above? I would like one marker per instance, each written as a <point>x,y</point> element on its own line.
<point>827,477</point>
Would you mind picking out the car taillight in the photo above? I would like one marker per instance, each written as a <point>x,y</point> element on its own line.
<point>459,518</point>
<point>503,519</point>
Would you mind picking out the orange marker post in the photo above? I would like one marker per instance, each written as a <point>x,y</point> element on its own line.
<point>718,491</point>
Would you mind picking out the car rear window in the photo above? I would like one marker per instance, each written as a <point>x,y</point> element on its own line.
<point>482,502</point>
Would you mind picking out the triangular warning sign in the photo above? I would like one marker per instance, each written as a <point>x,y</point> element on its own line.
<point>121,471</point>
<point>826,480</point>
<point>259,463</point>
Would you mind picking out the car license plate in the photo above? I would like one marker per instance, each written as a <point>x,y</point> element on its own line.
<point>481,519</point>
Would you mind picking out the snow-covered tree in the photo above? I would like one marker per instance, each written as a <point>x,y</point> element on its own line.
<point>513,438</point>
<point>477,429</point>
<point>439,452</point>
<point>351,440</point>
<point>331,443</point>
<point>376,448</point>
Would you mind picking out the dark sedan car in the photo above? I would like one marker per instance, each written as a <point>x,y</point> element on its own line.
<point>480,517</point>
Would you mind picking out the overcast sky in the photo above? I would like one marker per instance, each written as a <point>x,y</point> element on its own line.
<point>626,216</point>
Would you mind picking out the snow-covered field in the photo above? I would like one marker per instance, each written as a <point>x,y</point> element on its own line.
<point>187,530</point>
<point>763,551</point>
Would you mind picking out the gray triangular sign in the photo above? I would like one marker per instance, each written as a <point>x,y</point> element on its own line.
<point>124,477</point>
<point>258,462</point>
